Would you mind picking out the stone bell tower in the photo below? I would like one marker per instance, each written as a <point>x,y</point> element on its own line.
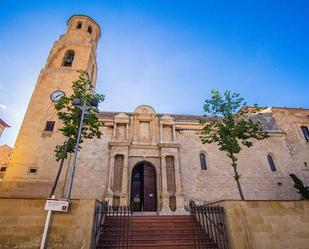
<point>32,166</point>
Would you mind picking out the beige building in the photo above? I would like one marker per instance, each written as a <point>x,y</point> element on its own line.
<point>3,125</point>
<point>5,151</point>
<point>151,161</point>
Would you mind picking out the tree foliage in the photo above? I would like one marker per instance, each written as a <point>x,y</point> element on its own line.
<point>230,127</point>
<point>299,185</point>
<point>70,115</point>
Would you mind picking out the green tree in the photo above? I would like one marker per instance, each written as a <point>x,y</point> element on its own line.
<point>230,127</point>
<point>70,115</point>
<point>299,185</point>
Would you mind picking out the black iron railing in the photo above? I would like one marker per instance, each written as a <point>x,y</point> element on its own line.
<point>120,222</point>
<point>112,227</point>
<point>209,226</point>
<point>101,209</point>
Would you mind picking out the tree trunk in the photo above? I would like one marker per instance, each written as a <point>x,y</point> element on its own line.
<point>59,172</point>
<point>236,175</point>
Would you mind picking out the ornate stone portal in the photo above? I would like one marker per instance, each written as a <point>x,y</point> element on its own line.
<point>145,137</point>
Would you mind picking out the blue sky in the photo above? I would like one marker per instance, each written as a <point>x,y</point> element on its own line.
<point>168,54</point>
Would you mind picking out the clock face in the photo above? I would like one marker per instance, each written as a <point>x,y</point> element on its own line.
<point>56,95</point>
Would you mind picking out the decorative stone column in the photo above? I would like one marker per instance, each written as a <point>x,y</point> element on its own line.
<point>180,204</point>
<point>174,133</point>
<point>135,128</point>
<point>114,131</point>
<point>153,129</point>
<point>124,186</point>
<point>127,131</point>
<point>164,194</point>
<point>161,133</point>
<point>109,192</point>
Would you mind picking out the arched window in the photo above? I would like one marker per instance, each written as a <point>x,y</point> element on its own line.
<point>271,163</point>
<point>305,131</point>
<point>89,29</point>
<point>68,58</point>
<point>79,25</point>
<point>203,161</point>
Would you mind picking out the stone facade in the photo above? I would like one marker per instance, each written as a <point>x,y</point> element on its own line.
<point>34,141</point>
<point>169,143</point>
<point>3,125</point>
<point>267,224</point>
<point>5,153</point>
<point>22,224</point>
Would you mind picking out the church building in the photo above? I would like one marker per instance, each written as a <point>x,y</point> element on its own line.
<point>152,162</point>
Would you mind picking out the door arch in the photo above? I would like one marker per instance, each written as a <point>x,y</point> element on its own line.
<point>143,187</point>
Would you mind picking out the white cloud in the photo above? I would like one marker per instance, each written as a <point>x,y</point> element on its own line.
<point>2,106</point>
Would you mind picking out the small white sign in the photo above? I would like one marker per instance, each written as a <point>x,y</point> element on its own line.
<point>57,205</point>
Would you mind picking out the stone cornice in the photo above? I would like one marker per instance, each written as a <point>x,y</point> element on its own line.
<point>119,144</point>
<point>169,145</point>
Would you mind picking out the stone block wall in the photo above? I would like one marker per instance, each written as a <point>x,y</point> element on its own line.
<point>22,223</point>
<point>267,224</point>
<point>257,180</point>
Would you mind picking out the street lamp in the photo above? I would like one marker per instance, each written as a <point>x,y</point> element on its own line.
<point>85,110</point>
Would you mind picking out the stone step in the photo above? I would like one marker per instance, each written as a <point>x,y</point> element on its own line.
<point>154,220</point>
<point>149,240</point>
<point>161,246</point>
<point>136,222</point>
<point>151,228</point>
<point>153,232</point>
<point>150,235</point>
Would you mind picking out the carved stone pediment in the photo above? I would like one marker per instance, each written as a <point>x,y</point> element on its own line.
<point>167,119</point>
<point>145,109</point>
<point>121,118</point>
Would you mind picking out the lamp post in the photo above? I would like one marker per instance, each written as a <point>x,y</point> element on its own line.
<point>84,108</point>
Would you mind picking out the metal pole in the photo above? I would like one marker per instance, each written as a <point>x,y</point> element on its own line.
<point>72,172</point>
<point>49,213</point>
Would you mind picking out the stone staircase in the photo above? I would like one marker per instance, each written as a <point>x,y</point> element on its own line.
<point>153,232</point>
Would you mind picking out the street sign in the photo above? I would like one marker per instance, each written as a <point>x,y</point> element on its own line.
<point>57,205</point>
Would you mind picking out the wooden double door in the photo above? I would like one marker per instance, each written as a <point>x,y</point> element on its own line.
<point>143,188</point>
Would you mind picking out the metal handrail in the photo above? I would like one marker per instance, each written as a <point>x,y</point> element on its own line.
<point>104,214</point>
<point>211,220</point>
<point>101,208</point>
